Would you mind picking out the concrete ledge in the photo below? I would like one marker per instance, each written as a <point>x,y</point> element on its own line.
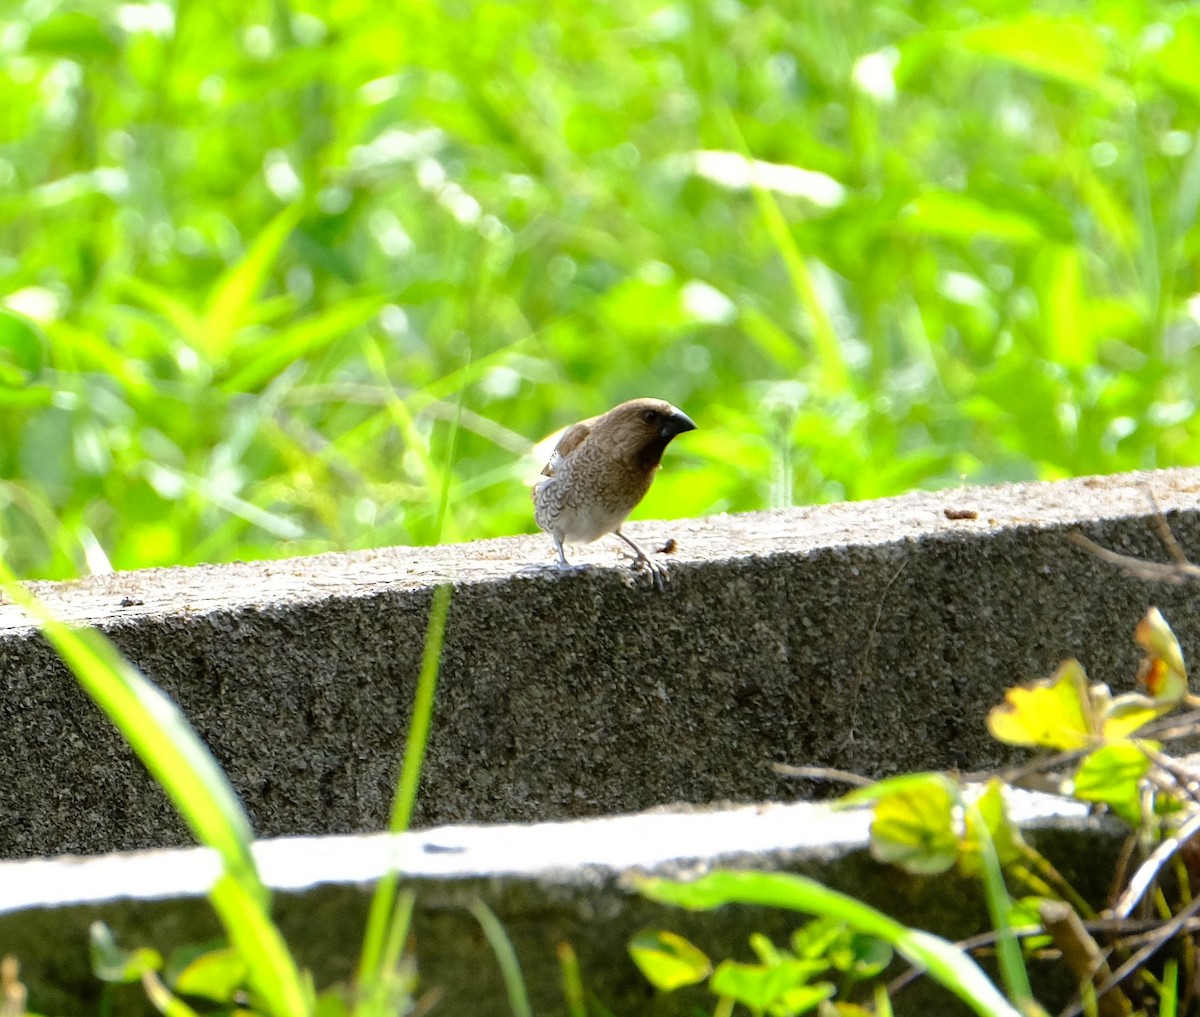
<point>870,636</point>
<point>548,883</point>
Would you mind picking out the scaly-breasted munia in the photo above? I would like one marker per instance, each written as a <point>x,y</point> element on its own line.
<point>600,469</point>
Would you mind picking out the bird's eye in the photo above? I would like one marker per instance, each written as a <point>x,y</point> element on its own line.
<point>651,416</point>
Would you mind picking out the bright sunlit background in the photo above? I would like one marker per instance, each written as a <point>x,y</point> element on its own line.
<point>257,258</point>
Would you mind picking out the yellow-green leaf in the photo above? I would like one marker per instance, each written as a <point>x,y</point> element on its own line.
<point>668,960</point>
<point>1055,713</point>
<point>1126,714</point>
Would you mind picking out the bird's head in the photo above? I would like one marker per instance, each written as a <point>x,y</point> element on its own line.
<point>641,429</point>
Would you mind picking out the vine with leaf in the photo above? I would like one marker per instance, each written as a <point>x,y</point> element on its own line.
<point>1136,956</point>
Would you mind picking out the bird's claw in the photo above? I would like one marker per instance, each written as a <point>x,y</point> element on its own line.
<point>657,570</point>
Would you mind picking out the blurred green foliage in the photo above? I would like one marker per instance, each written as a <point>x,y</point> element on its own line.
<point>257,258</point>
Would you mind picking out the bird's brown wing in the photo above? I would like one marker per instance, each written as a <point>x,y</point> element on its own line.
<point>571,439</point>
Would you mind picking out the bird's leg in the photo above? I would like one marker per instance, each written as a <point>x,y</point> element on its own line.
<point>642,560</point>
<point>563,564</point>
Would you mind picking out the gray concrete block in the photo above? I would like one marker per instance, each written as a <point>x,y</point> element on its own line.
<point>871,636</point>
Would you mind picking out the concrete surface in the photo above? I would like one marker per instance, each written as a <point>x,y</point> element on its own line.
<point>871,636</point>
<point>549,883</point>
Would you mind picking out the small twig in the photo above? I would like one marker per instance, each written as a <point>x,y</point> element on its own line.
<point>1181,571</point>
<point>1149,869</point>
<point>1185,780</point>
<point>1151,571</point>
<point>1130,931</point>
<point>1164,935</point>
<point>12,990</point>
<point>822,773</point>
<point>1164,530</point>
<point>1083,955</point>
<point>1017,776</point>
<point>1167,729</point>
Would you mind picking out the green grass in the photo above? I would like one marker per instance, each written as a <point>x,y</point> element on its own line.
<point>256,258</point>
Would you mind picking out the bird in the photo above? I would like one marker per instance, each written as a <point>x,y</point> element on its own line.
<point>599,471</point>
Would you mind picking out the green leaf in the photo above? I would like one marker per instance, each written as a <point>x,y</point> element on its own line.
<point>506,957</point>
<point>948,214</point>
<point>818,937</point>
<point>1176,62</point>
<point>1113,775</point>
<point>902,783</point>
<point>215,975</point>
<point>780,988</point>
<point>390,912</point>
<point>1068,324</point>
<point>914,828</point>
<point>668,960</point>
<point>14,391</point>
<point>826,348</point>
<point>764,949</point>
<point>1013,973</point>
<point>22,346</point>
<point>1065,49</point>
<point>189,326</point>
<point>164,740</point>
<point>861,957</point>
<point>72,34</point>
<point>112,964</point>
<point>268,356</point>
<point>230,304</point>
<point>1026,912</point>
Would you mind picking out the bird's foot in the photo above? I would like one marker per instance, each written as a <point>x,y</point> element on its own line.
<point>656,570</point>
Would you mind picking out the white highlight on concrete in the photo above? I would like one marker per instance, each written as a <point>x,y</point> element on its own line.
<point>566,852</point>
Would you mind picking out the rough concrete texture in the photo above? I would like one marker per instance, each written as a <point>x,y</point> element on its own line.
<point>871,636</point>
<point>548,883</point>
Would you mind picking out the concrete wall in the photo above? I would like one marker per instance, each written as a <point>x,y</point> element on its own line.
<point>548,883</point>
<point>871,636</point>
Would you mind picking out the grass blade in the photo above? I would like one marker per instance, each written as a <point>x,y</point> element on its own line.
<point>371,966</point>
<point>506,956</point>
<point>835,372</point>
<point>158,732</point>
<point>1008,949</point>
<point>271,969</point>
<point>944,961</point>
<point>235,292</point>
<point>184,768</point>
<point>572,979</point>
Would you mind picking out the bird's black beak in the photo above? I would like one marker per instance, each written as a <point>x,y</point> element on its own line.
<point>677,423</point>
